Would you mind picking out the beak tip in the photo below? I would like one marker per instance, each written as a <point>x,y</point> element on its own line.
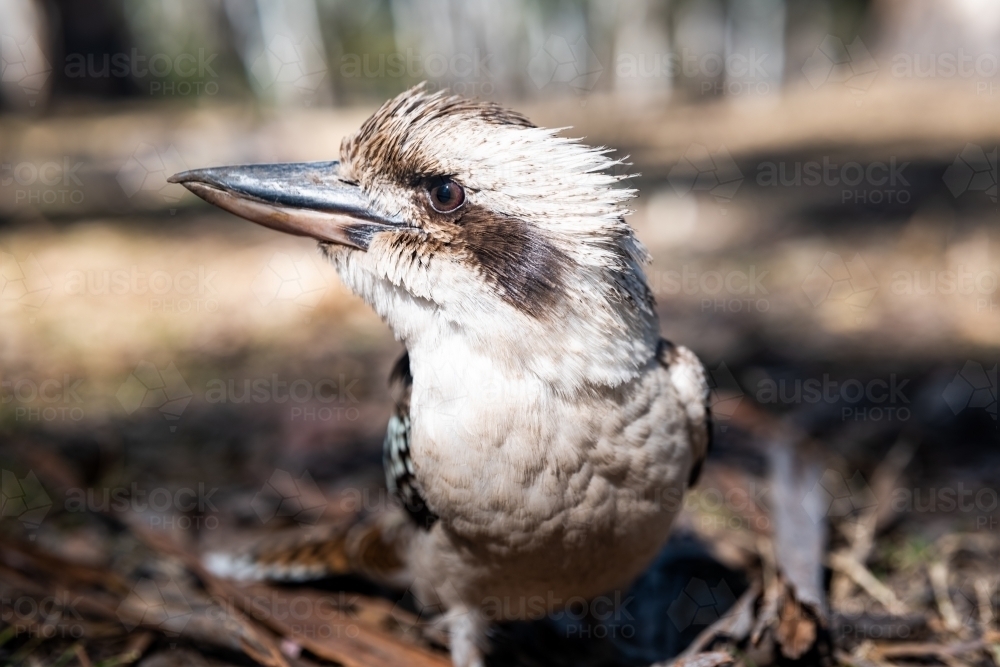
<point>178,178</point>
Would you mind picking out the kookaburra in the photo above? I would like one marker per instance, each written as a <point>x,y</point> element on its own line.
<point>545,432</point>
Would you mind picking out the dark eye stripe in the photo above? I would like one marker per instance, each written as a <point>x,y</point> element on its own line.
<point>524,268</point>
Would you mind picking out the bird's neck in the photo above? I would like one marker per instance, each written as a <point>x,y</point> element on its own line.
<point>590,343</point>
<point>566,359</point>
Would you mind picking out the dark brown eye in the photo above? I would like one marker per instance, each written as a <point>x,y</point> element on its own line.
<point>445,195</point>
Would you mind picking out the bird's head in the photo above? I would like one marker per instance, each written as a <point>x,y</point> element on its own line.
<point>459,218</point>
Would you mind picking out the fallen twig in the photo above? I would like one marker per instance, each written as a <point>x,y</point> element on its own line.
<point>845,563</point>
<point>938,574</point>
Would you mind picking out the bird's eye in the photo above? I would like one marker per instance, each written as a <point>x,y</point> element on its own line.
<point>445,195</point>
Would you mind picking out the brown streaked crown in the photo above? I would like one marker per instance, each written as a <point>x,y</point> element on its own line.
<point>386,137</point>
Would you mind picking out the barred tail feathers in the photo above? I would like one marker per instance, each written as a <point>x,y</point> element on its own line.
<point>374,548</point>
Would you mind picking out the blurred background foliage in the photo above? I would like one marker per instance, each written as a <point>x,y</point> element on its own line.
<point>356,45</point>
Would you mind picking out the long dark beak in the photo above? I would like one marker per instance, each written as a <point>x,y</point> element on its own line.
<point>304,199</point>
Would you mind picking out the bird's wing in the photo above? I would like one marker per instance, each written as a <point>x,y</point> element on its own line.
<point>688,377</point>
<point>399,471</point>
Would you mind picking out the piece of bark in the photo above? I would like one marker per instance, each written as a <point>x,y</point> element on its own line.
<point>796,631</point>
<point>342,636</point>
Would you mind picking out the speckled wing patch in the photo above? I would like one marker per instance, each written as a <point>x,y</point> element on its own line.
<point>400,476</point>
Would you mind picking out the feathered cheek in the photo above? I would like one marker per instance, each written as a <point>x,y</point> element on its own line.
<point>390,263</point>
